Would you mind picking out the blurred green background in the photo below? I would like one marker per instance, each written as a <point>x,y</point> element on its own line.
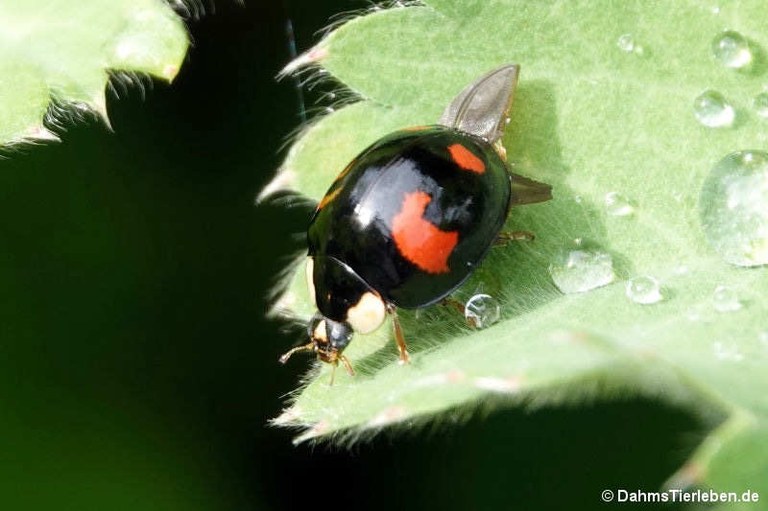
<point>137,369</point>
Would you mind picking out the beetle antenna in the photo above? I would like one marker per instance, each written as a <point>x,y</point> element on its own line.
<point>306,347</point>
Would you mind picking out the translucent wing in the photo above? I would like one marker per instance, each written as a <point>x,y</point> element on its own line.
<point>482,108</point>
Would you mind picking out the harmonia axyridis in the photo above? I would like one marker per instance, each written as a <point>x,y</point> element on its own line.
<point>409,219</point>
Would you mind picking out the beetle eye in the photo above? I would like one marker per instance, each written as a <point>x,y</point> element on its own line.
<point>339,334</point>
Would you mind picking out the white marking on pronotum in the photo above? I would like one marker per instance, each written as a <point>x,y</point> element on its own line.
<point>367,314</point>
<point>319,333</point>
<point>494,384</point>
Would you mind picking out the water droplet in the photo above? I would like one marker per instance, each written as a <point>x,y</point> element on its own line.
<point>628,44</point>
<point>731,49</point>
<point>725,299</point>
<point>761,104</point>
<point>644,290</point>
<point>617,204</point>
<point>713,110</point>
<point>733,206</point>
<point>580,267</point>
<point>482,310</point>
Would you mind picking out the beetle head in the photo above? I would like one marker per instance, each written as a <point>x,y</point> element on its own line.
<point>327,338</point>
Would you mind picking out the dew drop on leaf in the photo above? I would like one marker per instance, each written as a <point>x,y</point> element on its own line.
<point>732,50</point>
<point>617,204</point>
<point>627,44</point>
<point>482,310</point>
<point>725,299</point>
<point>581,266</point>
<point>733,207</point>
<point>713,110</point>
<point>644,290</point>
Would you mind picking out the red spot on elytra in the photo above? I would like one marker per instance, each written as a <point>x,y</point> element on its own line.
<point>420,241</point>
<point>465,159</point>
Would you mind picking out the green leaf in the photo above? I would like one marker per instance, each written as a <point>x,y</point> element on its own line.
<point>593,114</point>
<point>62,51</point>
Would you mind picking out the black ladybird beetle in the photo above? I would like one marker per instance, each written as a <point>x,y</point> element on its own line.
<point>409,219</point>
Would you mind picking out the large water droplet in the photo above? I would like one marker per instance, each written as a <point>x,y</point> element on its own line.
<point>761,104</point>
<point>734,208</point>
<point>644,290</point>
<point>580,267</point>
<point>617,204</point>
<point>713,110</point>
<point>482,310</point>
<point>725,299</point>
<point>732,50</point>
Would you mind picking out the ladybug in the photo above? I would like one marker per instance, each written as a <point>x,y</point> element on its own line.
<point>411,217</point>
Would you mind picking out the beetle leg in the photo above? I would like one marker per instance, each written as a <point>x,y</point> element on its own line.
<point>505,237</point>
<point>399,338</point>
<point>453,303</point>
<point>335,364</point>
<point>306,347</point>
<point>459,307</point>
<point>500,149</point>
<point>347,365</point>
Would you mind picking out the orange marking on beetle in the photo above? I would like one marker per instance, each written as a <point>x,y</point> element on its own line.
<point>420,241</point>
<point>416,128</point>
<point>328,197</point>
<point>345,171</point>
<point>465,159</point>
